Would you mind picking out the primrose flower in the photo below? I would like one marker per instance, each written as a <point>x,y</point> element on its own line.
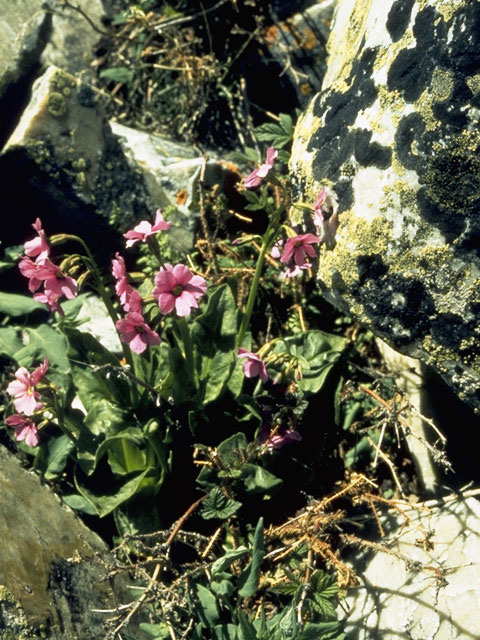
<point>276,251</point>
<point>277,440</point>
<point>145,229</point>
<point>51,300</point>
<point>135,332</point>
<point>296,251</point>
<point>255,178</point>
<point>38,246</point>
<point>25,429</point>
<point>57,284</point>
<point>253,365</point>
<point>325,216</point>
<point>177,288</point>
<point>23,389</point>
<point>32,271</point>
<point>123,289</point>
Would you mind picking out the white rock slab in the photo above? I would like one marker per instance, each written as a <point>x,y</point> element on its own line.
<point>427,587</point>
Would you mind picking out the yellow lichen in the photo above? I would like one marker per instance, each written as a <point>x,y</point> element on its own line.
<point>442,84</point>
<point>355,237</point>
<point>473,83</point>
<point>344,43</point>
<point>423,106</point>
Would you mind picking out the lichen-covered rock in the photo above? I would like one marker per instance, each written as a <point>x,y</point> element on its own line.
<point>52,566</point>
<point>425,583</point>
<point>395,133</point>
<point>63,158</point>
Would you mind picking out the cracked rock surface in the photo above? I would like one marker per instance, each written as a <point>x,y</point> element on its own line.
<point>395,133</point>
<point>426,585</point>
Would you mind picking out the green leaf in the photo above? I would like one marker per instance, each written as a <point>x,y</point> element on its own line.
<point>12,304</point>
<point>247,630</point>
<point>117,494</point>
<point>125,454</point>
<point>278,135</point>
<point>158,631</point>
<point>44,341</point>
<point>213,334</point>
<point>92,387</point>
<point>322,631</point>
<point>208,609</point>
<point>256,479</point>
<point>11,256</point>
<point>286,123</point>
<point>217,372</point>
<point>231,451</point>
<point>10,342</point>
<point>225,561</point>
<point>248,580</point>
<point>320,350</point>
<point>217,505</point>
<point>118,74</point>
<point>225,631</point>
<point>105,418</point>
<point>79,503</point>
<point>182,388</point>
<point>223,588</point>
<point>59,450</point>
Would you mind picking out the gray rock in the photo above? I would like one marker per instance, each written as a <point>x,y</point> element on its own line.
<point>409,377</point>
<point>172,172</point>
<point>298,44</point>
<point>426,584</point>
<point>36,33</point>
<point>53,571</point>
<point>73,38</point>
<point>64,151</point>
<point>395,134</point>
<point>24,31</point>
<point>95,321</point>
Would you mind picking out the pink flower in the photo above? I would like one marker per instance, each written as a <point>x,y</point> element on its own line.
<point>325,205</point>
<point>145,229</point>
<point>39,245</point>
<point>59,284</point>
<point>123,289</point>
<point>277,440</point>
<point>253,365</point>
<point>177,288</point>
<point>25,429</point>
<point>276,251</point>
<point>255,178</point>
<point>32,271</point>
<point>135,332</point>
<point>296,251</point>
<point>23,389</point>
<point>325,215</point>
<point>55,281</point>
<point>51,300</point>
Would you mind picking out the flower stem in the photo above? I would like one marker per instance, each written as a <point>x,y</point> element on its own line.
<point>187,346</point>
<point>102,292</point>
<point>267,242</point>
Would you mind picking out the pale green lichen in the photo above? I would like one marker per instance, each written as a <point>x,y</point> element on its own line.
<point>57,105</point>
<point>14,625</point>
<point>442,84</point>
<point>473,83</point>
<point>356,237</point>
